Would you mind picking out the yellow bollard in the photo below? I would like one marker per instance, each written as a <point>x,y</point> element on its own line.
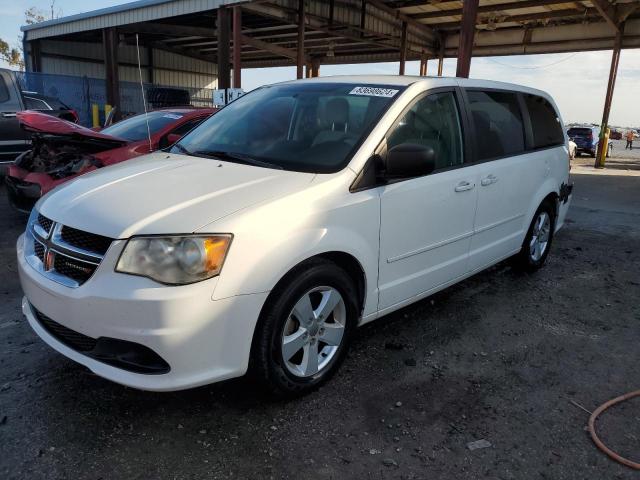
<point>95,115</point>
<point>603,147</point>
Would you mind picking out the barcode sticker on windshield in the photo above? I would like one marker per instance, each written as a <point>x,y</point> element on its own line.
<point>374,92</point>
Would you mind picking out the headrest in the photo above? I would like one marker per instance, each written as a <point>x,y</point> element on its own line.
<point>337,112</point>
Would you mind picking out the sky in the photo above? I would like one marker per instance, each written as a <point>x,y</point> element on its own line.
<point>577,81</point>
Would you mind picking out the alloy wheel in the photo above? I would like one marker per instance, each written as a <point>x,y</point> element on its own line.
<point>540,236</point>
<point>314,331</point>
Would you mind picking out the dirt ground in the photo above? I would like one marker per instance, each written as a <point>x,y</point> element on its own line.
<point>497,357</point>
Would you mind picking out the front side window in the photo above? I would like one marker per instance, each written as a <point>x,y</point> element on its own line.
<point>35,104</point>
<point>498,123</point>
<point>547,130</point>
<point>309,127</point>
<point>186,127</point>
<point>432,121</point>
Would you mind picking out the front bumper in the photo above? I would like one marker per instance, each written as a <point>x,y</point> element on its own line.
<point>201,339</point>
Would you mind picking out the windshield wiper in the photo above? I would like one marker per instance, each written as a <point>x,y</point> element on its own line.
<point>236,157</point>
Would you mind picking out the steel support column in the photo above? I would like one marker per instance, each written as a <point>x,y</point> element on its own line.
<point>442,41</point>
<point>315,68</point>
<point>150,68</point>
<point>224,27</point>
<point>300,59</point>
<point>36,56</point>
<point>467,32</point>
<point>110,44</point>
<point>403,48</point>
<point>613,73</point>
<point>237,47</point>
<point>424,61</point>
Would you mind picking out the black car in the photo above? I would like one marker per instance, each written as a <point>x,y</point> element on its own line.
<point>13,140</point>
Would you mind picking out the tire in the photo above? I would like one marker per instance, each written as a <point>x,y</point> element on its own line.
<point>529,259</point>
<point>282,331</point>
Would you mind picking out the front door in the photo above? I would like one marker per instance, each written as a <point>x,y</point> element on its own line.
<point>13,140</point>
<point>427,222</point>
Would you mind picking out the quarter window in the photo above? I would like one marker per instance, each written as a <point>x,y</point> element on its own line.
<point>498,123</point>
<point>432,121</point>
<point>547,130</point>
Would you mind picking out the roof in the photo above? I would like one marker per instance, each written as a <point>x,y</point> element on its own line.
<point>354,31</point>
<point>406,80</point>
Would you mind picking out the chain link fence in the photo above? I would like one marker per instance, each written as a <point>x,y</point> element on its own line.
<point>80,93</point>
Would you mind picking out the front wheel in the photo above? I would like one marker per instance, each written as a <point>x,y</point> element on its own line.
<point>537,242</point>
<point>304,329</point>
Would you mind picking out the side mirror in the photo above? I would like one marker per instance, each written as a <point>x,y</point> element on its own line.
<point>410,160</point>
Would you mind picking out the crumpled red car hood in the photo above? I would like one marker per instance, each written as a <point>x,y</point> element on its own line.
<point>42,123</point>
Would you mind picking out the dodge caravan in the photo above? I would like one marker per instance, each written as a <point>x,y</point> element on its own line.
<point>264,237</point>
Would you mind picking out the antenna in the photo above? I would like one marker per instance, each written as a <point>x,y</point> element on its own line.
<point>144,100</point>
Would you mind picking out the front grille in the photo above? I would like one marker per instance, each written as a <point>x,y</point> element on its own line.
<point>76,269</point>
<point>64,254</point>
<point>39,250</point>
<point>64,335</point>
<point>45,222</point>
<point>85,240</point>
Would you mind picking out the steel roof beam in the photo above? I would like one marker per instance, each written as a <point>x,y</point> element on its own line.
<point>499,7</point>
<point>607,12</point>
<point>168,29</point>
<point>350,32</point>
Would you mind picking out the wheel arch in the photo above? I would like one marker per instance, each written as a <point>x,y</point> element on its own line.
<point>350,264</point>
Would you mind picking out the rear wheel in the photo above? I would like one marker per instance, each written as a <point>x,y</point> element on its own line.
<point>537,242</point>
<point>304,330</point>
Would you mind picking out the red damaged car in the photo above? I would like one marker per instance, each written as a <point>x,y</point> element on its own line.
<point>62,150</point>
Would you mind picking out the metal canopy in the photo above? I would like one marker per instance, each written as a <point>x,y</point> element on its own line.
<point>359,31</point>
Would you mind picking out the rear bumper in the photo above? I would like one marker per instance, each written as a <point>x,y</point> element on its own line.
<point>566,192</point>
<point>22,195</point>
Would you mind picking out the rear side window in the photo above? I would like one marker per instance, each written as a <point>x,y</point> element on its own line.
<point>4,91</point>
<point>498,123</point>
<point>579,132</point>
<point>547,130</point>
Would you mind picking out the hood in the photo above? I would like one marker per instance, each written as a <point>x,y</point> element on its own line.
<point>37,122</point>
<point>162,193</point>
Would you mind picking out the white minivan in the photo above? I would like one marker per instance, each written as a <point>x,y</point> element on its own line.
<point>298,212</point>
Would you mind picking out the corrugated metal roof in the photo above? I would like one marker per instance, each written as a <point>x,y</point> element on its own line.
<point>133,12</point>
<point>354,31</point>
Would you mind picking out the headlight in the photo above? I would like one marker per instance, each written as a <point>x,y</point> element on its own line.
<point>175,260</point>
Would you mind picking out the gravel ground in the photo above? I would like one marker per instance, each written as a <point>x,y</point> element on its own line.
<point>495,358</point>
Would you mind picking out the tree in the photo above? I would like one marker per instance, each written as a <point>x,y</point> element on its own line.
<point>13,55</point>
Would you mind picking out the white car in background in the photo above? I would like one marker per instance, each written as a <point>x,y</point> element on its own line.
<point>300,211</point>
<point>573,149</point>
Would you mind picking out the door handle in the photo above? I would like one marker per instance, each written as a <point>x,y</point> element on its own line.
<point>9,114</point>
<point>488,180</point>
<point>464,186</point>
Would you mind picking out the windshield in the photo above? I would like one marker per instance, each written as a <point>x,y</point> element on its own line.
<point>135,128</point>
<point>309,127</point>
